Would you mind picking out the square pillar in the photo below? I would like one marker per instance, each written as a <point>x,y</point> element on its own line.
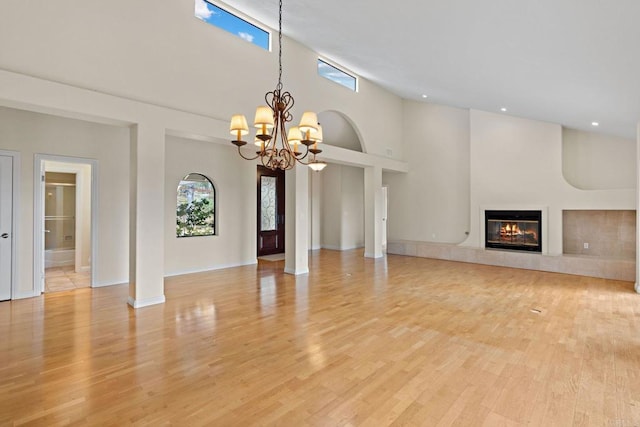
<point>373,212</point>
<point>146,216</point>
<point>297,220</point>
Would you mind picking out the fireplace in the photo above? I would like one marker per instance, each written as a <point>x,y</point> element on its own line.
<point>514,230</point>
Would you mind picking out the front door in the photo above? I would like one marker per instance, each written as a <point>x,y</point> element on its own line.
<point>270,211</point>
<point>6,209</point>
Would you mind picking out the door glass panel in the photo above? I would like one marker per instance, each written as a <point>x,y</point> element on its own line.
<point>268,201</point>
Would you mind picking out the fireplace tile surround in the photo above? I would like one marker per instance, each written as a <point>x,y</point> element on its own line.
<point>605,233</point>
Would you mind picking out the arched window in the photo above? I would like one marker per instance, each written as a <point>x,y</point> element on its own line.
<point>196,210</point>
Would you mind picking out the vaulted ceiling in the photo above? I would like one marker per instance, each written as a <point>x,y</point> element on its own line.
<point>571,62</point>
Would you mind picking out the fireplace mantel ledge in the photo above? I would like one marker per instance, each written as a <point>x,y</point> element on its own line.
<point>606,268</point>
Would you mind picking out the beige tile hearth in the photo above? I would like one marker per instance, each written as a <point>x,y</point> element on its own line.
<point>582,265</point>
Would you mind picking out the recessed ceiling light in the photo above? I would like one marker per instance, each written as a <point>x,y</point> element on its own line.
<point>595,124</point>
<point>424,96</point>
<point>503,109</point>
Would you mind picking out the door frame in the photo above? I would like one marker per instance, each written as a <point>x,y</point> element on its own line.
<point>15,221</point>
<point>38,216</point>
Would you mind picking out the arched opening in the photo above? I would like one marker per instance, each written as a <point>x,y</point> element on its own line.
<point>339,131</point>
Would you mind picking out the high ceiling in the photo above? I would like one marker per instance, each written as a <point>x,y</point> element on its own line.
<point>571,62</point>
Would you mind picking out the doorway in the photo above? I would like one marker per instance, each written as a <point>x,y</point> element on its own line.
<point>385,211</point>
<point>6,226</point>
<point>65,221</point>
<point>270,215</point>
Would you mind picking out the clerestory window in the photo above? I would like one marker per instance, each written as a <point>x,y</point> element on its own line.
<point>217,16</point>
<point>335,74</point>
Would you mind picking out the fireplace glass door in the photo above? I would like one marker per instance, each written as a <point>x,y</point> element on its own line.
<point>516,230</point>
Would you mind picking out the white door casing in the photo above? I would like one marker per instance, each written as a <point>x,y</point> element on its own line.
<point>6,226</point>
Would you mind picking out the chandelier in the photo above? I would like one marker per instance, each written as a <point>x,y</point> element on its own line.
<point>277,148</point>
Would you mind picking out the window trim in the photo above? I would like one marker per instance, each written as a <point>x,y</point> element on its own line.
<point>340,69</point>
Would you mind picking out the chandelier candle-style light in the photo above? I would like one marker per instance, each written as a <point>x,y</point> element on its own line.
<point>277,148</point>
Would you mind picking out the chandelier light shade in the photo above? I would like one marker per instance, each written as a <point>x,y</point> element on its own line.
<point>276,147</point>
<point>239,126</point>
<point>308,123</point>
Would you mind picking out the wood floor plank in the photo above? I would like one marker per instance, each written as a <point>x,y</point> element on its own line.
<point>397,341</point>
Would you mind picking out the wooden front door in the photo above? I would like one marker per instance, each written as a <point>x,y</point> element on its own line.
<point>270,211</point>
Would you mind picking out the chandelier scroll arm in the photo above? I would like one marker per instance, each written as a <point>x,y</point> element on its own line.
<point>242,155</point>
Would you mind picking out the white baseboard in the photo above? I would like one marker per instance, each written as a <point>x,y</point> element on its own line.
<point>294,272</point>
<point>213,268</point>
<point>84,269</point>
<point>146,302</point>
<point>340,248</point>
<point>370,255</point>
<point>25,294</point>
<point>637,287</point>
<point>110,283</point>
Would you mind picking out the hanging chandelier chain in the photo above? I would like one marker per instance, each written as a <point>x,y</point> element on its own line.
<point>280,47</point>
<point>275,149</point>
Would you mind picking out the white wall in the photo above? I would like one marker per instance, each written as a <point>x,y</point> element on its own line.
<point>31,133</point>
<point>431,202</point>
<point>234,180</point>
<point>338,131</point>
<point>517,163</point>
<point>315,210</point>
<point>462,161</point>
<point>342,207</point>
<point>593,161</point>
<point>352,208</point>
<point>156,70</point>
<point>332,207</point>
<point>163,55</point>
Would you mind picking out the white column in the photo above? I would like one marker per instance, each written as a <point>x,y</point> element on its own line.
<point>373,212</point>
<point>297,220</point>
<point>146,216</point>
<point>637,286</point>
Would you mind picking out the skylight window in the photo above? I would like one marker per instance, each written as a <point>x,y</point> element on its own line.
<point>335,74</point>
<point>215,15</point>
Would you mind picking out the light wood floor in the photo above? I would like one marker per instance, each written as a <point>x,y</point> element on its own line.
<point>402,341</point>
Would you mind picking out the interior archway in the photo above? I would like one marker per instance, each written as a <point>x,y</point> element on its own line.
<point>339,131</point>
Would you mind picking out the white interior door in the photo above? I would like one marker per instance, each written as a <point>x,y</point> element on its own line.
<point>6,229</point>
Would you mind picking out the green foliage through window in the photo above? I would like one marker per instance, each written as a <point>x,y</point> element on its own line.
<point>195,212</point>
